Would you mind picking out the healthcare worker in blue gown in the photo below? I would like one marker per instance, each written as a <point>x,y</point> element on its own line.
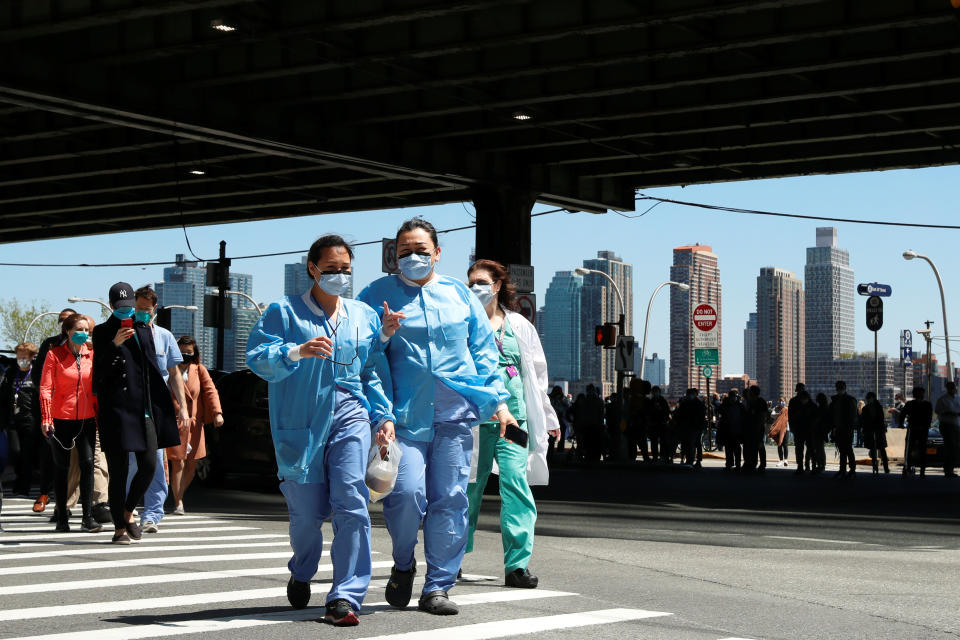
<point>443,366</point>
<point>319,351</point>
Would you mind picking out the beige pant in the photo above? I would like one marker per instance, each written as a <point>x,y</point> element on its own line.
<point>100,477</point>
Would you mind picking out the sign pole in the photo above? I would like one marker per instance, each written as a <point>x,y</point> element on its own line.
<point>876,368</point>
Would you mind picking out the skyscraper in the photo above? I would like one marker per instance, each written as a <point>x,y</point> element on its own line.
<point>562,326</point>
<point>828,280</point>
<point>779,332</point>
<point>697,266</point>
<point>242,318</point>
<point>599,304</point>
<point>750,347</point>
<point>654,370</point>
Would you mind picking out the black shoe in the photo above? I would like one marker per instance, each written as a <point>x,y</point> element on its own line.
<point>63,527</point>
<point>522,579</point>
<point>340,613</point>
<point>438,604</point>
<point>89,525</point>
<point>53,518</point>
<point>298,593</point>
<point>120,537</point>
<point>459,574</point>
<point>101,513</point>
<point>400,587</point>
<point>134,531</point>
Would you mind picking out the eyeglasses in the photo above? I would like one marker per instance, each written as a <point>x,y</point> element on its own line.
<point>356,352</point>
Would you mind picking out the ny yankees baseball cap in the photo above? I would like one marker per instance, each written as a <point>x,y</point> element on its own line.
<point>121,295</point>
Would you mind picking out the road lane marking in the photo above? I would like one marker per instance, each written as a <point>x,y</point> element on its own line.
<point>76,585</point>
<point>140,562</point>
<point>824,540</point>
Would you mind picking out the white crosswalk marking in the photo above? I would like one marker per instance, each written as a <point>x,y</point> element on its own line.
<point>164,524</point>
<point>85,542</point>
<point>48,533</point>
<point>132,562</point>
<point>140,548</point>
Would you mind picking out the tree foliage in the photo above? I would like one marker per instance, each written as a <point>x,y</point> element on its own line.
<point>16,316</point>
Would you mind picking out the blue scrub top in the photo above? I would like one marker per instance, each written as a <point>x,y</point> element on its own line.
<point>445,337</point>
<point>303,393</point>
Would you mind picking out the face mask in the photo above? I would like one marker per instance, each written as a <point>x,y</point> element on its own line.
<point>189,357</point>
<point>334,284</point>
<point>122,313</point>
<point>80,337</point>
<point>23,363</point>
<point>144,316</point>
<point>483,291</point>
<point>416,266</point>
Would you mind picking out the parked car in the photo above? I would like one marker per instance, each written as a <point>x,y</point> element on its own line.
<point>242,449</point>
<point>934,446</point>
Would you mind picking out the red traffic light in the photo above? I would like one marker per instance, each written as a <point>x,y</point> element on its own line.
<point>605,335</point>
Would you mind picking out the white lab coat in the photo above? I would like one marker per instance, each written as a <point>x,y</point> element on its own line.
<point>540,414</point>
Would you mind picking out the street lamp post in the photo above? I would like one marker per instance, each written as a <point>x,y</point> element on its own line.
<point>646,324</point>
<point>242,294</point>
<point>32,322</point>
<point>582,271</point>
<point>910,254</point>
<point>187,307</point>
<point>103,304</point>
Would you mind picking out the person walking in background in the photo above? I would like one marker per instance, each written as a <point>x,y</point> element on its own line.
<point>917,416</point>
<point>589,421</point>
<point>658,425</point>
<point>20,415</point>
<point>689,420</point>
<point>731,423</point>
<point>874,427</point>
<point>758,417</point>
<point>68,416</point>
<point>203,407</point>
<point>445,379</point>
<point>136,412</point>
<point>821,433</point>
<point>523,371</point>
<point>948,411</point>
<point>779,433</point>
<point>559,404</point>
<point>319,353</point>
<point>843,420</point>
<point>801,414</point>
<point>638,413</point>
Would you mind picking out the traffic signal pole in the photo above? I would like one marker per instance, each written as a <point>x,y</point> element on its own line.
<point>222,286</point>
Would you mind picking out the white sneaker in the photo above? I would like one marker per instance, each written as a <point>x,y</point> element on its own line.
<point>149,526</point>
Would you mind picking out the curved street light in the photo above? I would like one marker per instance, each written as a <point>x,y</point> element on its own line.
<point>103,304</point>
<point>646,324</point>
<point>187,307</point>
<point>32,322</point>
<point>910,254</point>
<point>242,294</point>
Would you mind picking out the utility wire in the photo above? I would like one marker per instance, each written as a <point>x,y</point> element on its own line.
<point>247,257</point>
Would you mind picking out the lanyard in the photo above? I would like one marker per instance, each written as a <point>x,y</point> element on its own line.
<point>18,384</point>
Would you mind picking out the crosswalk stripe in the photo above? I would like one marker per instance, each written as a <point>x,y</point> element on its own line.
<point>133,562</point>
<point>40,534</point>
<point>515,627</point>
<point>4,544</point>
<point>140,548</point>
<point>20,527</point>
<point>4,517</point>
<point>77,585</point>
<point>232,623</point>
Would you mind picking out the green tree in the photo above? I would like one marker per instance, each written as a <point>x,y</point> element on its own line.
<point>16,316</point>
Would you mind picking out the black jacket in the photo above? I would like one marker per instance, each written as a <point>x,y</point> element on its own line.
<point>45,346</point>
<point>801,414</point>
<point>28,400</point>
<point>119,374</point>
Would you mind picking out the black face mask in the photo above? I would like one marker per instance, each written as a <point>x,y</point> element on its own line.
<point>190,358</point>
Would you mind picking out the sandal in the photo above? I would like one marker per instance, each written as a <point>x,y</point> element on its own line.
<point>41,503</point>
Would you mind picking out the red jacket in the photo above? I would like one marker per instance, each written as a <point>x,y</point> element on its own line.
<point>66,389</point>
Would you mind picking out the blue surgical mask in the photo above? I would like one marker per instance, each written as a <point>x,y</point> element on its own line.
<point>122,313</point>
<point>144,316</point>
<point>80,337</point>
<point>334,283</point>
<point>483,291</point>
<point>416,266</point>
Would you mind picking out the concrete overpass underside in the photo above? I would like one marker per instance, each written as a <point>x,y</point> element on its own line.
<point>120,115</point>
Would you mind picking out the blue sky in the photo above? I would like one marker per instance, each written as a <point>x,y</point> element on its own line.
<point>562,241</point>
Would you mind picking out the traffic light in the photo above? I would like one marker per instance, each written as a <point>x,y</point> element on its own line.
<point>605,335</point>
<point>163,318</point>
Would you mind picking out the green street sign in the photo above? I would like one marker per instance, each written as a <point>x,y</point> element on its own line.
<point>707,372</point>
<point>706,356</point>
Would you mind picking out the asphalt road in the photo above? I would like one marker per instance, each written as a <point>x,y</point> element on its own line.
<point>622,552</point>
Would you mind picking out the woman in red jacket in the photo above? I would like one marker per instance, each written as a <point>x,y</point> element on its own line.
<point>68,416</point>
<point>203,405</point>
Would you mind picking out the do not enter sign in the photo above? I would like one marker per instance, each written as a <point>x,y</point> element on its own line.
<point>705,317</point>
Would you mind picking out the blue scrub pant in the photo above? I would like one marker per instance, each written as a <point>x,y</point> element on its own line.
<point>432,488</point>
<point>156,493</point>
<point>344,493</point>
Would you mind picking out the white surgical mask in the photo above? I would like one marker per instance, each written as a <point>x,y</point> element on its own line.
<point>23,363</point>
<point>483,291</point>
<point>415,266</point>
<point>334,283</point>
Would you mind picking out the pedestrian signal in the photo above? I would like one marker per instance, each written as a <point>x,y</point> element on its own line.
<point>605,335</point>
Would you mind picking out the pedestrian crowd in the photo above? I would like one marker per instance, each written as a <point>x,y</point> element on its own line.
<point>100,409</point>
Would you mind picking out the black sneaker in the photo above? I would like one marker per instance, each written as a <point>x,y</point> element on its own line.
<point>438,604</point>
<point>298,593</point>
<point>54,517</point>
<point>63,527</point>
<point>521,579</point>
<point>101,513</point>
<point>134,531</point>
<point>121,537</point>
<point>340,613</point>
<point>89,525</point>
<point>400,587</point>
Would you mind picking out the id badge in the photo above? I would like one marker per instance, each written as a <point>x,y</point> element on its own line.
<point>512,371</point>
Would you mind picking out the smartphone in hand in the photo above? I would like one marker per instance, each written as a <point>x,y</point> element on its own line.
<point>516,435</point>
<point>126,323</point>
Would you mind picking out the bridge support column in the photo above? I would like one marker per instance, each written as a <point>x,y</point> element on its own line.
<point>503,224</point>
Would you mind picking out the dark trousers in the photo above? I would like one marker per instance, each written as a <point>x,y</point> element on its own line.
<point>28,449</point>
<point>656,437</point>
<point>950,436</point>
<point>118,465</point>
<point>68,434</point>
<point>799,445</point>
<point>732,452</point>
<point>844,442</point>
<point>637,441</point>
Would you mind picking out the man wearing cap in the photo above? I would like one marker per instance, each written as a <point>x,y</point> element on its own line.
<point>136,411</point>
